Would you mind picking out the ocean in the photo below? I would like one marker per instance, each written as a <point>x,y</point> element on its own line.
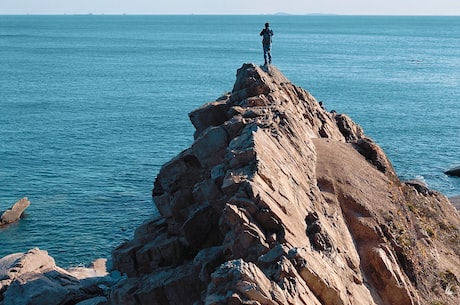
<point>92,106</point>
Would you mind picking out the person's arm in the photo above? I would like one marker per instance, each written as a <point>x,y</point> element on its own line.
<point>262,32</point>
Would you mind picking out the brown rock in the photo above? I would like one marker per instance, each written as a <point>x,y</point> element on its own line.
<point>34,278</point>
<point>280,202</point>
<point>210,147</point>
<point>14,213</point>
<point>249,283</point>
<point>211,114</point>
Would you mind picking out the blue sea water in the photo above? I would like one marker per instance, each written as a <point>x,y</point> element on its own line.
<point>92,106</point>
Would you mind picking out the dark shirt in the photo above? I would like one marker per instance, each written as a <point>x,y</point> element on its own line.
<point>267,34</point>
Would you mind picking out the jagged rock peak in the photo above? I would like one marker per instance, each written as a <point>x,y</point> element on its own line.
<point>278,201</point>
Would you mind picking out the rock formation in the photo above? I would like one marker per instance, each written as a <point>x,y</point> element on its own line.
<point>453,171</point>
<point>15,212</point>
<point>280,202</point>
<point>33,278</point>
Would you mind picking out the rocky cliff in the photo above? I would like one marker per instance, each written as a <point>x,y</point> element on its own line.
<point>280,202</point>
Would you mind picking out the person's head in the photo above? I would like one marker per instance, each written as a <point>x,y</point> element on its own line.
<point>267,25</point>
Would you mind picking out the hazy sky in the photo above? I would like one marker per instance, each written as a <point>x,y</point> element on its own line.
<point>368,7</point>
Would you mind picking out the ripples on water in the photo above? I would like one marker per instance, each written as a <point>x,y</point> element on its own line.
<point>92,106</point>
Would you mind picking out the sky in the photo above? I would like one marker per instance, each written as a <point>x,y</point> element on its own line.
<point>236,7</point>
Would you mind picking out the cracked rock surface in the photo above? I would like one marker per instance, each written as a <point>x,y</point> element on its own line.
<point>280,202</point>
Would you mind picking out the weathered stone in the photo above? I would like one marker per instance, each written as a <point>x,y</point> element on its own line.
<point>419,185</point>
<point>173,285</point>
<point>350,130</point>
<point>201,230</point>
<point>374,154</point>
<point>280,202</point>
<point>242,281</point>
<point>211,114</point>
<point>390,282</point>
<point>14,213</point>
<point>34,278</point>
<point>210,147</point>
<point>97,268</point>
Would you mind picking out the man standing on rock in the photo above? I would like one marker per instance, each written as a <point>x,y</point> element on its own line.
<point>267,34</point>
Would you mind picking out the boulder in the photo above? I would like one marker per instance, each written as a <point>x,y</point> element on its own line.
<point>278,201</point>
<point>453,171</point>
<point>34,278</point>
<point>14,213</point>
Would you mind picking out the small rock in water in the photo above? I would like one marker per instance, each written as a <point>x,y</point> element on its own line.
<point>453,171</point>
<point>13,214</point>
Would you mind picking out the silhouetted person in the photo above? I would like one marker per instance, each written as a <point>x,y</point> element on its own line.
<point>267,34</point>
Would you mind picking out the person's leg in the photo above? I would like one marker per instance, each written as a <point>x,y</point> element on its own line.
<point>266,52</point>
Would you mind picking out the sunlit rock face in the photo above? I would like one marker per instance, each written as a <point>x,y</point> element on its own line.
<point>279,201</point>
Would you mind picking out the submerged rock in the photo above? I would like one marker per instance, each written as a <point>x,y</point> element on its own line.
<point>280,202</point>
<point>453,171</point>
<point>14,213</point>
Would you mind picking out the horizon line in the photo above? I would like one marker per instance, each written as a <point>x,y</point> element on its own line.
<point>220,14</point>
